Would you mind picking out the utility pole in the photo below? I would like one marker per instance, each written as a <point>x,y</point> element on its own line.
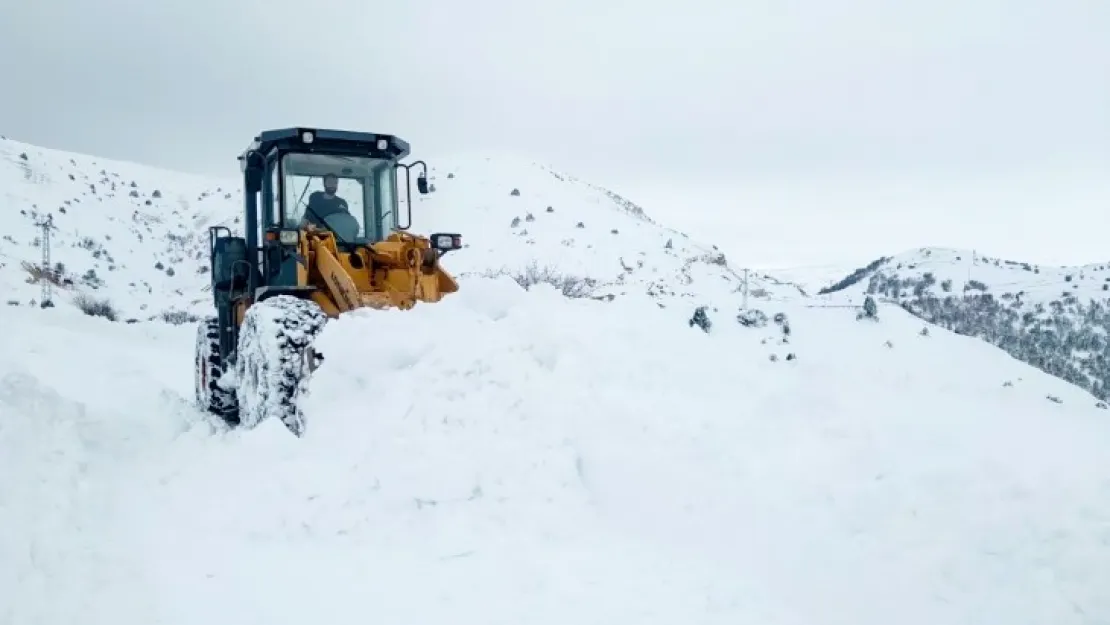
<point>47,269</point>
<point>745,288</point>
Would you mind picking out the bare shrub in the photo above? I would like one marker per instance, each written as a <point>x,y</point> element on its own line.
<point>95,307</point>
<point>37,274</point>
<point>571,286</point>
<point>178,317</point>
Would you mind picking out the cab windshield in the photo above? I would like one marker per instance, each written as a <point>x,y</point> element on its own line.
<point>362,207</point>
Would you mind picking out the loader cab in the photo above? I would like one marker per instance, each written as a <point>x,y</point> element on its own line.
<point>366,185</point>
<point>281,169</point>
<point>284,168</point>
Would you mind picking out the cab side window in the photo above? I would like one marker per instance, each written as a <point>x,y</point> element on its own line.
<point>275,194</point>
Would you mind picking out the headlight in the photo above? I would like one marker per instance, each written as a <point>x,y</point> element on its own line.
<point>383,144</point>
<point>308,136</point>
<point>289,237</point>
<point>446,242</point>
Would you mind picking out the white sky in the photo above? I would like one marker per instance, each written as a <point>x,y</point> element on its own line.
<point>842,125</point>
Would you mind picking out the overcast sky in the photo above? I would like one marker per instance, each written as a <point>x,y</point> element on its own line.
<point>679,104</point>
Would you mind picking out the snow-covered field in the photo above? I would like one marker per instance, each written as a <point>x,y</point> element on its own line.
<point>479,462</point>
<point>520,456</point>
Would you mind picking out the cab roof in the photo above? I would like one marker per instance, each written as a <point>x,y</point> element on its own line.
<point>328,141</point>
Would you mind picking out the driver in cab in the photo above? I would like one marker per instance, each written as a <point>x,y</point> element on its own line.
<point>323,204</point>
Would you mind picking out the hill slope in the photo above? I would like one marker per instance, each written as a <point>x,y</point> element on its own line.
<point>130,234</point>
<point>137,236</point>
<point>488,464</point>
<point>514,211</point>
<point>1055,318</point>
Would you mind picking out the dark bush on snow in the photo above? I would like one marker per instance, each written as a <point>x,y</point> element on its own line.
<point>753,318</point>
<point>96,307</point>
<point>574,287</point>
<point>178,317</point>
<point>701,319</point>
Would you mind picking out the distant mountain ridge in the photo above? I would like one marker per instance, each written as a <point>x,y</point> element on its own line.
<point>1054,318</point>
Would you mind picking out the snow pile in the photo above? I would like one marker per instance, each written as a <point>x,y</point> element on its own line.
<point>513,456</point>
<point>80,397</point>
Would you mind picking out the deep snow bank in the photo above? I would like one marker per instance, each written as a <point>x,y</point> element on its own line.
<point>81,399</point>
<point>517,457</point>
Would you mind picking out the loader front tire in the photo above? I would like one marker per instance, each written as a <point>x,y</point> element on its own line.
<point>274,354</point>
<point>208,369</point>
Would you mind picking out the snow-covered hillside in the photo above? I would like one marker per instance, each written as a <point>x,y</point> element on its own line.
<point>136,236</point>
<point>497,458</point>
<point>128,234</point>
<point>1055,318</point>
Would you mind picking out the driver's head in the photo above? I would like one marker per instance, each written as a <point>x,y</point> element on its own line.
<point>331,183</point>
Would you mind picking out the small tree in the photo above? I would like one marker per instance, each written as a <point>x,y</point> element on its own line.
<point>870,310</point>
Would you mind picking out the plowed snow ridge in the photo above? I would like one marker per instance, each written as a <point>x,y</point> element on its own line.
<point>517,457</point>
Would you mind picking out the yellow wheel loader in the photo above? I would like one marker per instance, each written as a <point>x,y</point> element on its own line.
<point>321,237</point>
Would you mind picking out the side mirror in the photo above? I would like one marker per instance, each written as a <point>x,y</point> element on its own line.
<point>422,184</point>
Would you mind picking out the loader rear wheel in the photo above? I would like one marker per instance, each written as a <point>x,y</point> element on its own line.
<point>274,357</point>
<point>208,369</point>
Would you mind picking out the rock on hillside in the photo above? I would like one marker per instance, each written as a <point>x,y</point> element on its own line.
<point>1054,318</point>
